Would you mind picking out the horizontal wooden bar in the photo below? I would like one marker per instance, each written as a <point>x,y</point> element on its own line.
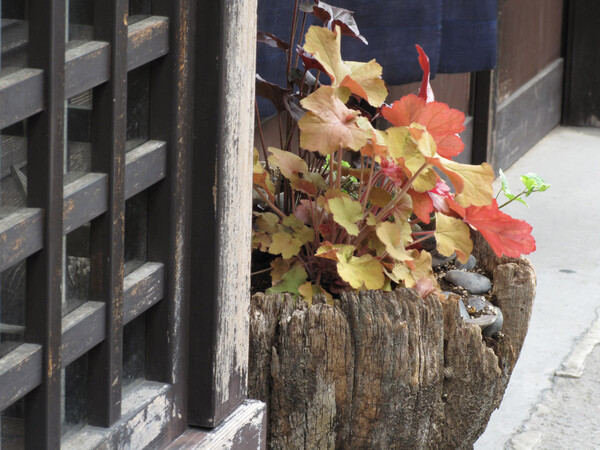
<point>142,288</point>
<point>82,329</point>
<point>144,166</point>
<point>85,199</point>
<point>86,66</point>
<point>20,372</point>
<point>21,235</point>
<point>148,40</point>
<point>21,95</point>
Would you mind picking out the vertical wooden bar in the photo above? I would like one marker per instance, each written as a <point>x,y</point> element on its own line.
<point>222,208</point>
<point>107,232</point>
<point>171,103</point>
<point>485,93</point>
<point>45,148</point>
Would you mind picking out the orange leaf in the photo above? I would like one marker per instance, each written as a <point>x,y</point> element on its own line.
<point>422,205</point>
<point>441,121</point>
<point>507,236</point>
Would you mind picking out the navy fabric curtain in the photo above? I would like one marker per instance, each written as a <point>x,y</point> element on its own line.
<point>457,35</point>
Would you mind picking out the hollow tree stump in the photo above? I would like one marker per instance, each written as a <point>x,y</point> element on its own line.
<point>384,370</point>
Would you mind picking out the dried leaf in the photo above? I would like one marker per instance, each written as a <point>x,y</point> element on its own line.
<point>329,124</point>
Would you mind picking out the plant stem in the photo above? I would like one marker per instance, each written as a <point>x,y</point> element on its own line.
<point>262,137</point>
<point>258,272</point>
<point>339,169</point>
<point>383,213</point>
<point>301,34</point>
<point>513,199</point>
<point>292,36</point>
<point>270,203</point>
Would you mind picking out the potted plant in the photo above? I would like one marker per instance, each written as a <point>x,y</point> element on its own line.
<point>354,344</point>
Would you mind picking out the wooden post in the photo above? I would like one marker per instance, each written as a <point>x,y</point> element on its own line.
<point>221,226</point>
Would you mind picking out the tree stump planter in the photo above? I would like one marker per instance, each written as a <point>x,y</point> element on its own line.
<point>385,370</point>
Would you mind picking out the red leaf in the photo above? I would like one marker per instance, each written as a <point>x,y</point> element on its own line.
<point>309,61</point>
<point>426,93</point>
<point>273,92</point>
<point>272,41</point>
<point>507,236</point>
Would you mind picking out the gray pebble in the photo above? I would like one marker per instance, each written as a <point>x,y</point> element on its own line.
<point>463,310</point>
<point>470,264</point>
<point>478,303</point>
<point>439,260</point>
<point>472,282</point>
<point>496,326</point>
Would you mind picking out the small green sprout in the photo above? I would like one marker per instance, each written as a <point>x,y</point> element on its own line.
<point>531,181</point>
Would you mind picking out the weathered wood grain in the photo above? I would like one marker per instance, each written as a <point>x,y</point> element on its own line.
<point>86,66</point>
<point>82,329</point>
<point>384,370</point>
<point>84,199</point>
<point>21,95</point>
<point>20,372</point>
<point>21,234</point>
<point>144,166</point>
<point>148,39</point>
<point>142,288</point>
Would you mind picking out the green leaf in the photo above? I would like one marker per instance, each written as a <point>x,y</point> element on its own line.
<point>533,183</point>
<point>290,281</point>
<point>506,190</point>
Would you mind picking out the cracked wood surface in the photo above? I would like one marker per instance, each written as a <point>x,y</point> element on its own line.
<point>384,370</point>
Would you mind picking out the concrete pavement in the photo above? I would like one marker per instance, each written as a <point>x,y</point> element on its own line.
<point>540,409</point>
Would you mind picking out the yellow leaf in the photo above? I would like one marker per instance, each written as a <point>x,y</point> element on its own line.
<point>261,241</point>
<point>363,79</point>
<point>401,274</point>
<point>403,147</point>
<point>371,220</point>
<point>285,245</point>
<point>288,163</point>
<point>279,266</point>
<point>347,212</point>
<point>453,235</point>
<point>335,252</point>
<point>329,124</point>
<point>420,267</point>
<point>261,178</point>
<point>395,237</point>
<point>306,291</point>
<point>267,222</point>
<point>362,272</point>
<point>473,184</point>
<point>380,197</point>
